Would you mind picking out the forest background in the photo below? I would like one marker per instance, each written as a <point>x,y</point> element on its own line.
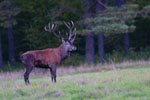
<point>22,28</point>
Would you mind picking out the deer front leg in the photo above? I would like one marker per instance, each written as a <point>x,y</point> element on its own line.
<point>54,73</point>
<point>52,77</point>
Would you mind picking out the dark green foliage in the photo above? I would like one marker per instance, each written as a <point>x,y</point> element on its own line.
<point>4,13</point>
<point>146,11</point>
<point>116,56</point>
<point>35,15</point>
<point>140,37</point>
<point>141,3</point>
<point>43,12</point>
<point>112,20</point>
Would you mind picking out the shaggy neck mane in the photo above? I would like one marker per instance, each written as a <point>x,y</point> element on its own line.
<point>63,53</point>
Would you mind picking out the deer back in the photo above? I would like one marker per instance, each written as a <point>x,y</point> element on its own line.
<point>45,57</point>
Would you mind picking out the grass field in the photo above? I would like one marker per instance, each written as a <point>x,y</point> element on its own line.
<point>116,84</point>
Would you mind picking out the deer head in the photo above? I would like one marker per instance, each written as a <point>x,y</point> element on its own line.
<point>67,41</point>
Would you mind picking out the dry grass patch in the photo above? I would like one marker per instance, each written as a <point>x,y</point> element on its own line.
<point>74,70</point>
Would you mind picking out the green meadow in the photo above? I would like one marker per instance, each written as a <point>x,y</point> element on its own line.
<point>115,84</point>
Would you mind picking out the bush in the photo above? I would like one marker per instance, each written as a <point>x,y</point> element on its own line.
<point>74,60</point>
<point>142,54</point>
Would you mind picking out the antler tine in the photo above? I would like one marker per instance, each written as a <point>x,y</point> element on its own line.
<point>66,24</point>
<point>72,23</point>
<point>74,34</point>
<point>60,34</point>
<point>66,33</point>
<point>49,26</point>
<point>70,26</point>
<point>52,29</point>
<point>45,28</point>
<point>52,26</point>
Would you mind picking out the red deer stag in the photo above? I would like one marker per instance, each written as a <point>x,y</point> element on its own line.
<point>50,57</point>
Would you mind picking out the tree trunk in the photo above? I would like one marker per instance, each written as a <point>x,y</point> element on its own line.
<point>100,39</point>
<point>89,46</point>
<point>117,3</point>
<point>101,46</point>
<point>1,58</point>
<point>10,35</point>
<point>124,1</point>
<point>11,46</point>
<point>89,37</point>
<point>126,41</point>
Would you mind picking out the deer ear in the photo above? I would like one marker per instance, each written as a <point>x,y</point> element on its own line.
<point>62,40</point>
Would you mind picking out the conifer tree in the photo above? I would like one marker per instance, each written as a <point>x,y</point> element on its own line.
<point>112,20</point>
<point>100,36</point>
<point>89,36</point>
<point>7,12</point>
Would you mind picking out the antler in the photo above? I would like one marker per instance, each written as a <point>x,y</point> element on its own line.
<point>52,29</point>
<point>70,26</point>
<point>72,34</point>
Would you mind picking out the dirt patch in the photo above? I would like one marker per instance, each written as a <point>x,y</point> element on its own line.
<point>57,93</point>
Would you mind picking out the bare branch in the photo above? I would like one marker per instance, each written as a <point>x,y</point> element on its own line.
<point>98,2</point>
<point>106,2</point>
<point>93,4</point>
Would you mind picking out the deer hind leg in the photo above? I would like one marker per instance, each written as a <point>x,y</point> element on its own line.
<point>27,73</point>
<point>29,62</point>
